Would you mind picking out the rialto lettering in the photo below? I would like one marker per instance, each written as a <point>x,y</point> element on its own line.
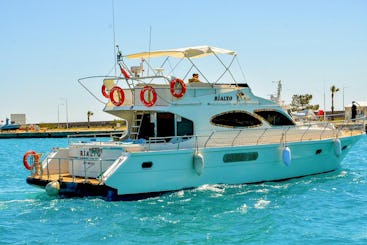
<point>222,98</point>
<point>91,152</point>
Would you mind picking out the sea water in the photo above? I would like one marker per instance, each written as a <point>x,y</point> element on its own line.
<point>321,209</point>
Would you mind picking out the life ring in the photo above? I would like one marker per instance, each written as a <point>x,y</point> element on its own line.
<point>25,159</point>
<point>177,84</point>
<point>151,92</point>
<point>120,95</point>
<point>104,92</point>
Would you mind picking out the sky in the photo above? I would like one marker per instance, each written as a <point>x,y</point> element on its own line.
<point>46,46</point>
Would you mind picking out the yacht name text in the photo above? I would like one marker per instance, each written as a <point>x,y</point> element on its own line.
<point>222,98</point>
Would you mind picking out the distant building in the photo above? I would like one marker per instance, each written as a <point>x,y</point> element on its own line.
<point>18,119</point>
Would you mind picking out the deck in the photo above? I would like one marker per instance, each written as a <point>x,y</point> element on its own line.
<point>66,178</point>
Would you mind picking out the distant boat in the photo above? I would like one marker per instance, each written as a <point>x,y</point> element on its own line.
<point>9,126</point>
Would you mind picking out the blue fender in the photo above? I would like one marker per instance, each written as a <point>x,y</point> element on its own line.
<point>287,156</point>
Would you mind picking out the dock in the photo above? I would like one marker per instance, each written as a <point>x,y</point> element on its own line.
<point>60,133</point>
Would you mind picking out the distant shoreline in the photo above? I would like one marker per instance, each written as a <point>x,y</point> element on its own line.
<point>63,130</point>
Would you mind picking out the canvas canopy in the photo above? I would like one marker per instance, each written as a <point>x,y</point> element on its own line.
<point>190,52</point>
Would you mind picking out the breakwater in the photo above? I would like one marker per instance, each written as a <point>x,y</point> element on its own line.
<point>60,134</point>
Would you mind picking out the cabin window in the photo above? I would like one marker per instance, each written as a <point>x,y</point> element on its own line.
<point>235,119</point>
<point>240,157</point>
<point>275,118</point>
<point>165,125</point>
<point>185,127</point>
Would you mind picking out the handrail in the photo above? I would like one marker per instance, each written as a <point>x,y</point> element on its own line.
<point>309,126</point>
<point>71,172</point>
<point>258,139</point>
<point>325,127</point>
<point>208,139</point>
<point>285,136</point>
<point>234,138</point>
<point>100,136</point>
<point>315,131</point>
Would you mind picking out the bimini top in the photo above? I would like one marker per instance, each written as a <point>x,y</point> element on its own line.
<point>190,52</point>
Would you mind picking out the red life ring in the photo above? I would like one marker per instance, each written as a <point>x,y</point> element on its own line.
<point>25,159</point>
<point>120,95</point>
<point>104,92</point>
<point>151,91</point>
<point>177,84</point>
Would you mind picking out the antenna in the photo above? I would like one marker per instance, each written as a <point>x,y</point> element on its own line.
<point>279,91</point>
<point>324,104</point>
<point>114,36</point>
<point>150,44</point>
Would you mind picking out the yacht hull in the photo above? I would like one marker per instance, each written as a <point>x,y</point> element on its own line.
<point>174,170</point>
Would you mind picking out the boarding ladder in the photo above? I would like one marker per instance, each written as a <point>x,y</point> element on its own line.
<point>136,124</point>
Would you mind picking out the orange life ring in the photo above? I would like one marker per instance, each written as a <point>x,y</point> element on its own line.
<point>104,92</point>
<point>177,84</point>
<point>25,159</point>
<point>120,95</point>
<point>151,92</point>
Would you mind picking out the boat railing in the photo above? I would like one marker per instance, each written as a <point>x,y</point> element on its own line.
<point>66,168</point>
<point>258,136</point>
<point>280,135</point>
<point>96,137</point>
<point>176,142</point>
<point>351,126</point>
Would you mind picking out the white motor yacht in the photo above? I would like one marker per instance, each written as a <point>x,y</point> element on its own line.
<point>183,132</point>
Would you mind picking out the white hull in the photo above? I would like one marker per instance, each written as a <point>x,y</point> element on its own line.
<point>174,170</point>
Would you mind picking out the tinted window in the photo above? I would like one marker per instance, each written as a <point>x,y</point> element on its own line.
<point>185,127</point>
<point>235,119</point>
<point>275,118</point>
<point>240,157</point>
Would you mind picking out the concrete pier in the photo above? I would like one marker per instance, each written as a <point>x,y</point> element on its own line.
<point>60,134</point>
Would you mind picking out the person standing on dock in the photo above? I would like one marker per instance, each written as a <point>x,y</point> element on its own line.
<point>354,110</point>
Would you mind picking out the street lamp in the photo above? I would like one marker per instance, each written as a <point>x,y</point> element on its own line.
<point>66,112</point>
<point>343,97</point>
<point>58,115</point>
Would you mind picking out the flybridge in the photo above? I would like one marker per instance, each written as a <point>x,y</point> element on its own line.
<point>189,54</point>
<point>140,84</point>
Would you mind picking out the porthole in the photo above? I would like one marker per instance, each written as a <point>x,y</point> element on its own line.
<point>318,151</point>
<point>344,147</point>
<point>147,164</point>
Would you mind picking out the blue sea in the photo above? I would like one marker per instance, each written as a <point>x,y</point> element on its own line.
<point>321,209</point>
